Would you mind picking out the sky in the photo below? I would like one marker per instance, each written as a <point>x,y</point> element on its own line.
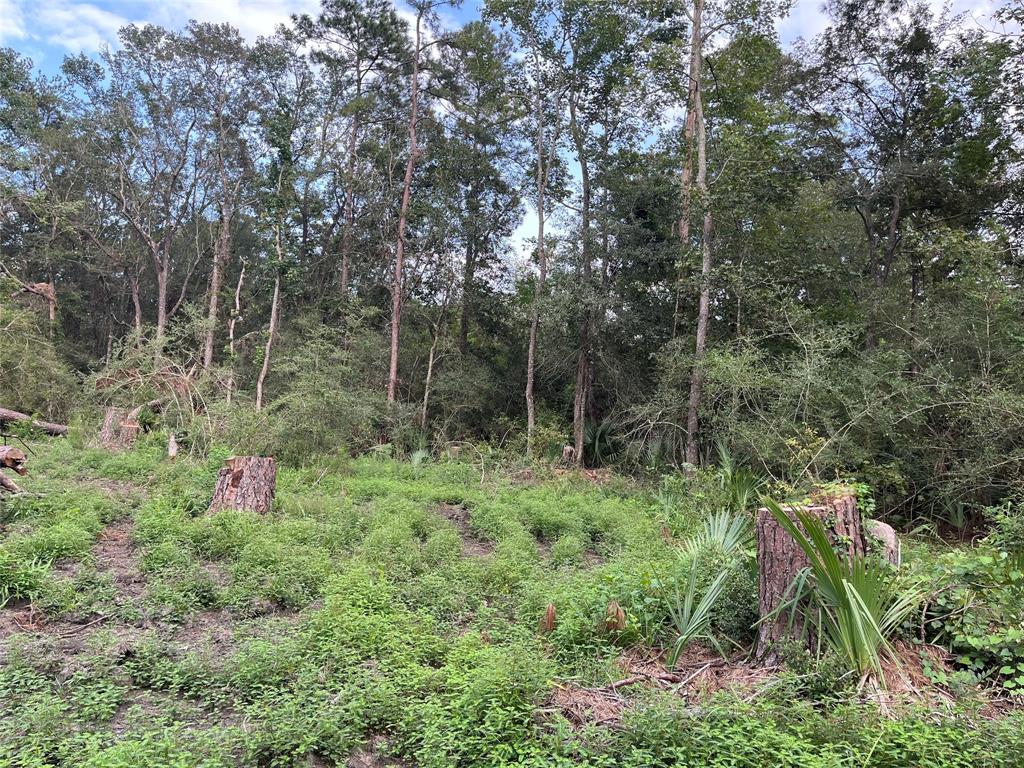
<point>48,30</point>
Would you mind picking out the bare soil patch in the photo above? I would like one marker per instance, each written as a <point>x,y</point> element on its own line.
<point>472,545</point>
<point>115,555</point>
<point>371,755</point>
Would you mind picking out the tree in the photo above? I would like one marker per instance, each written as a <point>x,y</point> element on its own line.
<point>146,115</point>
<point>223,76</point>
<point>362,44</point>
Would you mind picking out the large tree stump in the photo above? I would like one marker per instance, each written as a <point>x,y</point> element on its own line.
<point>121,427</point>
<point>111,436</point>
<point>245,482</point>
<point>780,559</point>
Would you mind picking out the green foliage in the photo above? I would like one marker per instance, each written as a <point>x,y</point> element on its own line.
<point>855,608</point>
<point>691,619</point>
<point>978,593</point>
<point>394,608</point>
<point>33,375</point>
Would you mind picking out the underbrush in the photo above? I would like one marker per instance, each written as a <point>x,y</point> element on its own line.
<point>423,614</point>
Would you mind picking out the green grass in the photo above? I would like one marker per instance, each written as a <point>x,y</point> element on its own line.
<point>355,612</point>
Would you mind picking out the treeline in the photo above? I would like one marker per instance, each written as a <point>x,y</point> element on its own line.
<point>810,257</point>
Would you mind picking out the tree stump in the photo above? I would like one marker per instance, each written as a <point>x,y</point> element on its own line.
<point>882,537</point>
<point>780,559</point>
<point>121,427</point>
<point>245,482</point>
<point>119,430</point>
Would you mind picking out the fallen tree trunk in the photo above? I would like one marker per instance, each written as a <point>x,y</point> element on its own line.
<point>780,559</point>
<point>12,458</point>
<point>7,416</point>
<point>245,482</point>
<point>8,485</point>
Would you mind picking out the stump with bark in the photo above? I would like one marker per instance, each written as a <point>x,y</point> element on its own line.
<point>121,426</point>
<point>245,482</point>
<point>13,459</point>
<point>780,559</point>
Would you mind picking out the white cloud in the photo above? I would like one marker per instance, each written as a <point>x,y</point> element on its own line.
<point>12,24</point>
<point>805,20</point>
<point>253,18</point>
<point>75,26</point>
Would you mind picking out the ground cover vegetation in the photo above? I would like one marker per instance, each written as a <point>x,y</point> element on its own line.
<point>425,615</point>
<point>517,515</point>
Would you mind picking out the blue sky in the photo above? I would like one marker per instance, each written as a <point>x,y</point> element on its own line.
<point>46,30</point>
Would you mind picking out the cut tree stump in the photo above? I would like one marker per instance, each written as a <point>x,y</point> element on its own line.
<point>245,482</point>
<point>121,427</point>
<point>110,432</point>
<point>780,559</point>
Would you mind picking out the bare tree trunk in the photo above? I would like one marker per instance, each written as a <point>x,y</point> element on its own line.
<point>431,358</point>
<point>161,307</point>
<point>704,308</point>
<point>584,363</point>
<point>467,299</point>
<point>235,315</point>
<point>539,289</point>
<point>275,311</point>
<point>689,133</point>
<point>350,205</point>
<point>136,304</point>
<point>222,253</point>
<point>246,482</point>
<point>403,215</point>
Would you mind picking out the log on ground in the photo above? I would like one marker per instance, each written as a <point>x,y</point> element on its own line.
<point>9,416</point>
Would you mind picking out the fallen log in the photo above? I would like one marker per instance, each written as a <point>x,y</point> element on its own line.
<point>8,416</point>
<point>246,482</point>
<point>8,485</point>
<point>11,458</point>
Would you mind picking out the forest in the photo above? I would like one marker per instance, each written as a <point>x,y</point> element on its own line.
<point>516,383</point>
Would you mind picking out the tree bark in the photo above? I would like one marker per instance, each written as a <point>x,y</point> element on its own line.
<point>584,363</point>
<point>275,319</point>
<point>245,482</point>
<point>8,485</point>
<point>121,427</point>
<point>222,253</point>
<point>538,293</point>
<point>232,323</point>
<point>13,458</point>
<point>689,133</point>
<point>8,416</point>
<point>110,430</point>
<point>780,559</point>
<point>403,215</point>
<point>704,307</point>
<point>350,198</point>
